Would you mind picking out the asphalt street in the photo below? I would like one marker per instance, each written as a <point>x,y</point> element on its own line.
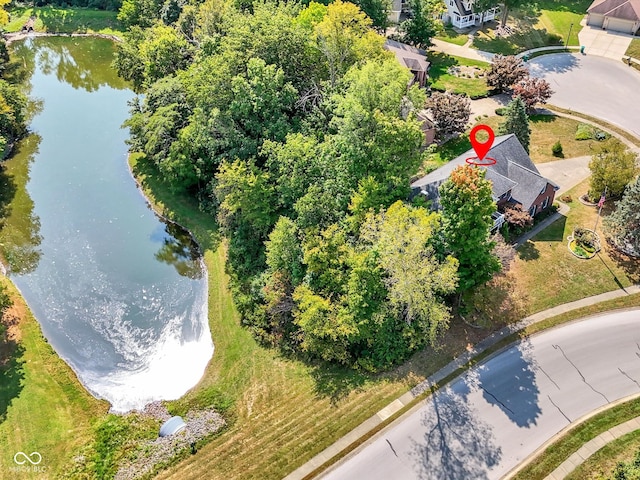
<point>488,420</point>
<point>598,86</point>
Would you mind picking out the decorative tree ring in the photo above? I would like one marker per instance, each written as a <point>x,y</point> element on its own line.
<point>485,162</point>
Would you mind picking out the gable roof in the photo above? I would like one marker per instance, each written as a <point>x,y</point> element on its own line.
<point>626,9</point>
<point>415,59</point>
<point>513,171</point>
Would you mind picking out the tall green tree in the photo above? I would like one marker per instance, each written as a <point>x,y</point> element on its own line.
<point>612,167</point>
<point>424,24</point>
<point>623,225</point>
<point>416,280</point>
<point>516,122</point>
<point>467,205</point>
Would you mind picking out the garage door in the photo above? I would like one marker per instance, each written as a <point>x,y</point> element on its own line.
<point>619,25</point>
<point>595,19</point>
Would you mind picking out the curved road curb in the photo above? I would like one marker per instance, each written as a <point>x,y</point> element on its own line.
<point>344,443</point>
<point>586,450</point>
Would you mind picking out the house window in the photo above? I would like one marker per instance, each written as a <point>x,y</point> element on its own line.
<point>532,210</point>
<point>546,203</point>
<point>451,3</point>
<point>457,17</point>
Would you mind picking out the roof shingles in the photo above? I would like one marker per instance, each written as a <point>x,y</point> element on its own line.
<point>513,171</point>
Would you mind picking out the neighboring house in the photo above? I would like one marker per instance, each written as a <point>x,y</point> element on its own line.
<point>515,179</point>
<point>415,59</point>
<point>617,15</point>
<point>461,15</point>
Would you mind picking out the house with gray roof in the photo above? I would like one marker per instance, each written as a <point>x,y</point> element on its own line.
<point>412,58</point>
<point>514,177</point>
<point>617,15</point>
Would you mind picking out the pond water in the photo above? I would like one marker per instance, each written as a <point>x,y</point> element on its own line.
<point>120,294</point>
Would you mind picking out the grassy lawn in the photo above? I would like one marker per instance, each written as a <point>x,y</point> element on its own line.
<point>441,79</point>
<point>544,23</point>
<point>65,20</point>
<point>557,276</point>
<point>451,36</point>
<point>602,463</point>
<point>43,407</point>
<point>623,448</point>
<point>545,130</point>
<point>634,48</point>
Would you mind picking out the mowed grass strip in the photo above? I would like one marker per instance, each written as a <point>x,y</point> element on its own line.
<point>559,451</point>
<point>602,463</point>
<point>549,275</point>
<point>43,406</point>
<point>634,49</point>
<point>65,20</point>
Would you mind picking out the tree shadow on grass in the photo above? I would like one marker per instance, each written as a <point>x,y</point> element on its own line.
<point>630,265</point>
<point>204,228</point>
<point>335,382</point>
<point>11,366</point>
<point>528,251</point>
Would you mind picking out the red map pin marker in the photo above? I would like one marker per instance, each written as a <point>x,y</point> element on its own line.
<point>481,148</point>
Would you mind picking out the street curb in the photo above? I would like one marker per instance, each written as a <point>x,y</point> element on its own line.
<point>572,461</point>
<point>307,469</point>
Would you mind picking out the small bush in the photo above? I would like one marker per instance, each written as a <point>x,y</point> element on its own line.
<point>584,132</point>
<point>501,111</point>
<point>566,198</point>
<point>556,149</point>
<point>585,238</point>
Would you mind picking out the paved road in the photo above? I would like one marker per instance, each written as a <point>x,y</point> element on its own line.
<point>598,86</point>
<point>487,421</point>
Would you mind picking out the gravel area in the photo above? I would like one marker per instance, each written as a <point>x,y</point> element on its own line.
<point>152,453</point>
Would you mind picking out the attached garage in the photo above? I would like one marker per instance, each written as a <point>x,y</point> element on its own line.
<point>616,15</point>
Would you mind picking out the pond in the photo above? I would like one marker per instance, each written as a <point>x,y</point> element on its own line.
<point>120,294</point>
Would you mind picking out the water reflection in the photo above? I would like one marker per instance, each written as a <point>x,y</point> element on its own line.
<point>178,249</point>
<point>19,226</point>
<point>80,62</point>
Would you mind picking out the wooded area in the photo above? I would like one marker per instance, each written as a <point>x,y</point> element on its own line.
<point>296,129</point>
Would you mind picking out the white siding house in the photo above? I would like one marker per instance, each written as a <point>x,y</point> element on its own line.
<point>461,14</point>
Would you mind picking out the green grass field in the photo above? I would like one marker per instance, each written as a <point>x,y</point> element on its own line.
<point>541,24</point>
<point>548,274</point>
<point>441,79</point>
<point>65,20</point>
<point>602,463</point>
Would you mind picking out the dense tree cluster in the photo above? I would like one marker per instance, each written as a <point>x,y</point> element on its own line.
<point>297,130</point>
<point>613,166</point>
<point>13,103</point>
<point>623,226</point>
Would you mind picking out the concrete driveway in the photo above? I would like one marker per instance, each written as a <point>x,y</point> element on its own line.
<point>597,86</point>
<point>566,173</point>
<point>605,43</point>
<point>487,421</point>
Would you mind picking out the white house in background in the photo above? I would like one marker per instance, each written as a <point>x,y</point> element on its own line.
<point>461,14</point>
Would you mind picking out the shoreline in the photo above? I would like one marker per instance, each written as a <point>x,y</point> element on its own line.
<point>16,36</point>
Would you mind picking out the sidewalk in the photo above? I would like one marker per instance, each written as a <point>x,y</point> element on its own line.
<point>373,422</point>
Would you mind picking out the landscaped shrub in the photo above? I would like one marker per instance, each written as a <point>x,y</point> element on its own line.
<point>556,149</point>
<point>566,198</point>
<point>501,111</point>
<point>584,132</point>
<point>585,238</point>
